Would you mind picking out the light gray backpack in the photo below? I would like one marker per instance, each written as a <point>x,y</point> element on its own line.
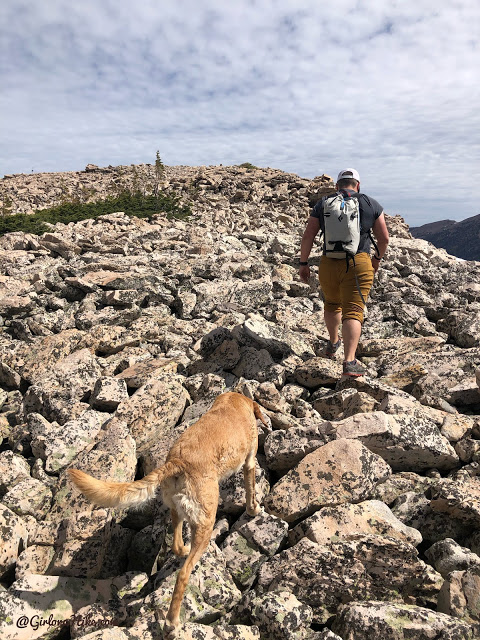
<point>342,226</point>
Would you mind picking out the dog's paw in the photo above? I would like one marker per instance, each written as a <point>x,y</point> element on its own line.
<point>255,511</point>
<point>170,630</point>
<point>182,551</point>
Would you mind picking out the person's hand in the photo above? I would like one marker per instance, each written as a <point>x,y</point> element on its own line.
<point>375,264</point>
<point>304,273</point>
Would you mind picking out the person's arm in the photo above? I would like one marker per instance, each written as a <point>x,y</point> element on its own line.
<point>311,230</point>
<point>380,232</point>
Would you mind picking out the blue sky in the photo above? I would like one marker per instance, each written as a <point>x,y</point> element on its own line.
<point>388,87</point>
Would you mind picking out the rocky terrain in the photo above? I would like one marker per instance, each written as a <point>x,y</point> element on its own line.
<point>461,239</point>
<point>118,333</point>
<point>27,192</point>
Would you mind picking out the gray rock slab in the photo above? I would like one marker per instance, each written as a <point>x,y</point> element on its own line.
<point>12,467</point>
<point>140,373</point>
<point>460,596</point>
<point>232,491</point>
<point>405,442</point>
<point>281,616</point>
<point>253,364</point>
<point>460,500</point>
<point>370,517</point>
<point>447,555</point>
<point>267,532</point>
<point>34,559</point>
<point>336,405</point>
<point>340,471</point>
<point>14,538</point>
<point>153,409</point>
<point>400,483</point>
<point>361,568</point>
<point>59,445</point>
<point>113,457</point>
<point>243,559</point>
<point>278,341</point>
<point>28,497</point>
<point>317,372</point>
<point>284,449</point>
<point>391,621</point>
<point>210,592</point>
<point>415,510</point>
<point>108,393</point>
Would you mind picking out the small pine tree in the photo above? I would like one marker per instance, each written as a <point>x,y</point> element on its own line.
<point>159,174</point>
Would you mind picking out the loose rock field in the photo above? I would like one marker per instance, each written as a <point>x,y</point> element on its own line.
<point>117,334</point>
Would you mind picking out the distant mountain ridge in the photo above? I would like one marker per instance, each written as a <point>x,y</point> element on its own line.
<point>461,239</point>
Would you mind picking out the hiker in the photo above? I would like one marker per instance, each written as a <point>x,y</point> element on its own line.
<point>346,270</point>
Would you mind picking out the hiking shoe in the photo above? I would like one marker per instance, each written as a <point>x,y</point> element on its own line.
<point>332,349</point>
<point>353,369</point>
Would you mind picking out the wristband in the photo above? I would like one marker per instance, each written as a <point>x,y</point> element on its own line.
<point>304,264</point>
<point>376,258</point>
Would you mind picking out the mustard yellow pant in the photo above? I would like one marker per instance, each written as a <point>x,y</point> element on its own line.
<point>340,288</point>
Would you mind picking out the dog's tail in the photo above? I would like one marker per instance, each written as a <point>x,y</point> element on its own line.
<point>258,414</point>
<point>122,494</point>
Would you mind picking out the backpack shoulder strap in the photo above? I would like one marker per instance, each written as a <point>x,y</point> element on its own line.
<point>365,197</point>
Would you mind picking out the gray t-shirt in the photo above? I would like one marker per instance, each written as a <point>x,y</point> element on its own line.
<point>370,210</point>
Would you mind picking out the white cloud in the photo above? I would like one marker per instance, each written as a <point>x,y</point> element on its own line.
<point>388,87</point>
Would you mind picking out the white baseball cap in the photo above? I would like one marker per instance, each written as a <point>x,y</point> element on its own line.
<point>349,173</point>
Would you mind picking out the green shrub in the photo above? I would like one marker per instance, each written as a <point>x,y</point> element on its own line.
<point>132,203</point>
<point>247,165</point>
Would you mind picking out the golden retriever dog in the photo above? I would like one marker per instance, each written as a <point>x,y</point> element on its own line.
<point>222,441</point>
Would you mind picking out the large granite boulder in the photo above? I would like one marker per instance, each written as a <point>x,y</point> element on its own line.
<point>58,444</point>
<point>250,542</point>
<point>14,538</point>
<point>153,409</point>
<point>396,621</point>
<point>460,499</point>
<point>337,522</point>
<point>279,342</point>
<point>460,596</point>
<point>447,555</point>
<point>279,615</point>
<point>406,442</point>
<point>340,471</point>
<point>358,567</point>
<point>284,449</point>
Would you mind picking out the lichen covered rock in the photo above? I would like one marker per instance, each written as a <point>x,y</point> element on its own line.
<point>340,471</point>
<point>357,567</point>
<point>385,621</point>
<point>117,333</point>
